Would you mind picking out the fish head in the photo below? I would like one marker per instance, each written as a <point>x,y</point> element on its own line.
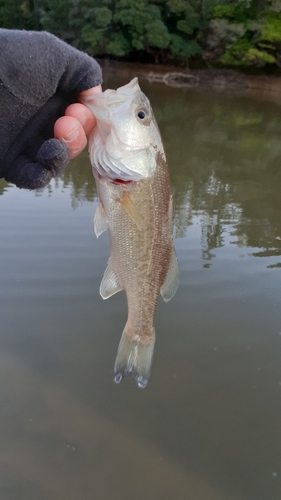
<point>125,143</point>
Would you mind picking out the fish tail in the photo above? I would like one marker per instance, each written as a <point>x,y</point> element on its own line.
<point>134,357</point>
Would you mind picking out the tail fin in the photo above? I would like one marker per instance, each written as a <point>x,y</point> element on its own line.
<point>133,356</point>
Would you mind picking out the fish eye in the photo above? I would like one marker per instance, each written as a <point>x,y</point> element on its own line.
<point>143,115</point>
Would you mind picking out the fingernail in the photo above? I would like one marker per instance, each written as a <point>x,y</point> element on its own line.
<point>72,135</point>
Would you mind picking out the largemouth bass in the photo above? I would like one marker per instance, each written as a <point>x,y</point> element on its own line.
<point>132,178</point>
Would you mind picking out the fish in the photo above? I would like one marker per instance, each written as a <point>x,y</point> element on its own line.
<point>135,206</point>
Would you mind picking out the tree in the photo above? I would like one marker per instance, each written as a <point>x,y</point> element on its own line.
<point>246,33</point>
<point>229,32</point>
<point>18,14</point>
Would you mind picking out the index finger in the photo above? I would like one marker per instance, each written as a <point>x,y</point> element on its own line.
<point>89,92</point>
<point>86,95</point>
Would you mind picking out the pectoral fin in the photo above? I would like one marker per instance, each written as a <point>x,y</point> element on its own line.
<point>100,220</point>
<point>131,210</point>
<point>171,282</point>
<point>109,283</point>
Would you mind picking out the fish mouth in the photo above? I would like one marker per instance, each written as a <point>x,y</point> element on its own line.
<point>119,96</point>
<point>101,104</point>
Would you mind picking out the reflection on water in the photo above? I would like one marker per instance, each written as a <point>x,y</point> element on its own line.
<point>224,154</point>
<point>208,424</point>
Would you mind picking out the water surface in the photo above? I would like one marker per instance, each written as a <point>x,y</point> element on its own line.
<point>208,424</point>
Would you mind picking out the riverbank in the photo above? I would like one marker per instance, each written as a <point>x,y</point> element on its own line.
<point>175,77</point>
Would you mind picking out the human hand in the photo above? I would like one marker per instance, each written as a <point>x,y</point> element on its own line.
<point>76,124</point>
<point>41,78</point>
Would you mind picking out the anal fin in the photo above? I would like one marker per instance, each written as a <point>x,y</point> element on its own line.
<point>172,279</point>
<point>109,283</point>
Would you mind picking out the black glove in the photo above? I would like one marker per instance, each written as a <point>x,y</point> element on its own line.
<point>39,77</point>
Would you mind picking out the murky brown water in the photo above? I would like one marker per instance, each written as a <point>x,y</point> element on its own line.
<point>208,424</point>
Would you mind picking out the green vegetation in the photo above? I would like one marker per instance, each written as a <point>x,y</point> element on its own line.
<point>220,32</point>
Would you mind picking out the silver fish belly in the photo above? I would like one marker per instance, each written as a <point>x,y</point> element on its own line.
<point>138,216</point>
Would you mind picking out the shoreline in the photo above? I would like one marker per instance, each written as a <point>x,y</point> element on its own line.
<point>180,78</point>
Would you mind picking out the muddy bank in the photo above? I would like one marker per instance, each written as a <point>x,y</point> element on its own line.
<point>175,77</point>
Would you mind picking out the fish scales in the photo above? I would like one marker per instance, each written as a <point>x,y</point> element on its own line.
<point>137,255</point>
<point>133,184</point>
